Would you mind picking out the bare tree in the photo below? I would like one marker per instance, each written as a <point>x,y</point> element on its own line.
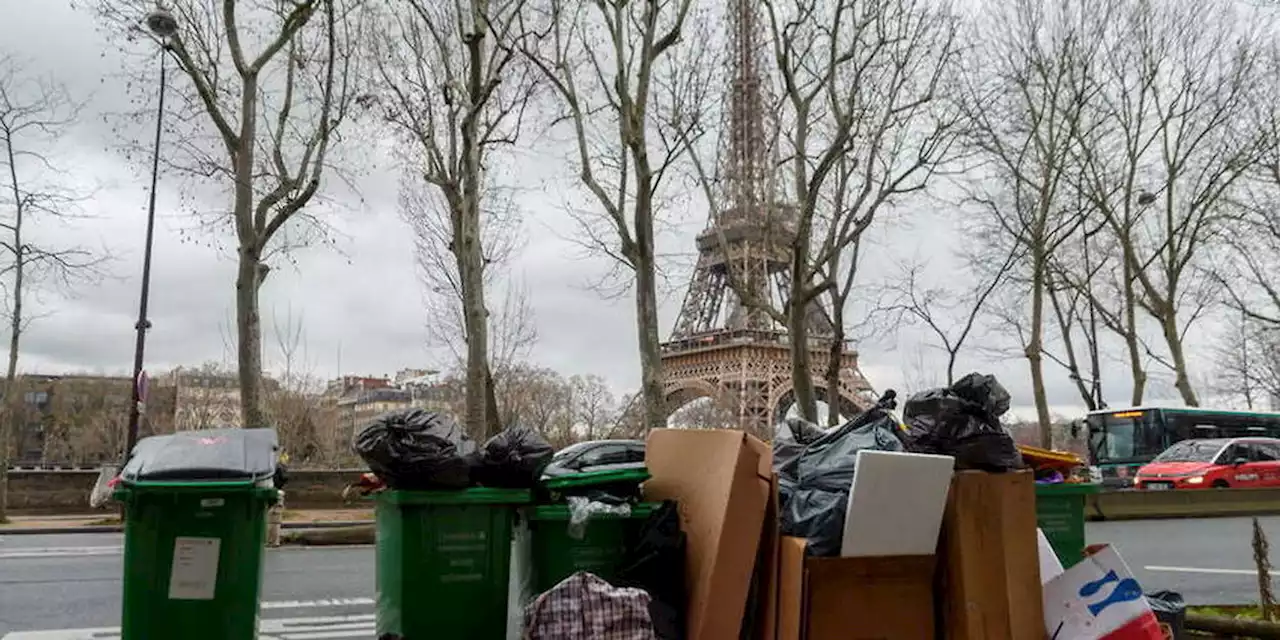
<point>949,313</point>
<point>705,413</point>
<point>1022,102</point>
<point>631,85</point>
<point>454,86</point>
<point>268,84</point>
<point>34,113</point>
<point>1073,289</point>
<point>859,125</point>
<point>595,408</point>
<point>1247,270</point>
<point>1170,139</point>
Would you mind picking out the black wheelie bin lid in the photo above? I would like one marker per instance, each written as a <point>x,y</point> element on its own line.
<point>211,455</point>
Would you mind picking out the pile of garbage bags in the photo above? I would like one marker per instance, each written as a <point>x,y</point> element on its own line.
<point>815,467</point>
<point>963,421</point>
<point>419,450</point>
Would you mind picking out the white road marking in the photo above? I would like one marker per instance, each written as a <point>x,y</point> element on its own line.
<point>1225,572</point>
<point>313,628</point>
<point>60,552</point>
<point>312,604</point>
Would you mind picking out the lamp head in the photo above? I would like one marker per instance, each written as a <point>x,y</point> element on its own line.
<point>162,23</point>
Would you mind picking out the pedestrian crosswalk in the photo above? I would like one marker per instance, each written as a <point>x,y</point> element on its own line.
<point>346,627</point>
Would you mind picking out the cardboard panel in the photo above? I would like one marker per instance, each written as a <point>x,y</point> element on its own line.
<point>870,598</point>
<point>790,605</point>
<point>990,569</point>
<point>721,480</point>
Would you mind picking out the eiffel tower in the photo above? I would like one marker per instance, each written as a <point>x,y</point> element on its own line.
<point>725,346</point>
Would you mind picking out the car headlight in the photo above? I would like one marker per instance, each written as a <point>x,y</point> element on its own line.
<point>1195,480</point>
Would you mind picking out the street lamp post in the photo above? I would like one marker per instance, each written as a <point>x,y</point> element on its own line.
<point>162,24</point>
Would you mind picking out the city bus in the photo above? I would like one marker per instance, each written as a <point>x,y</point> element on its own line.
<point>1121,440</point>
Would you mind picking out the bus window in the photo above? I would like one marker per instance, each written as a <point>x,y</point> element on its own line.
<point>1117,437</point>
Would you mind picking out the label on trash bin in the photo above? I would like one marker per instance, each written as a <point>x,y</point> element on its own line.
<point>195,568</point>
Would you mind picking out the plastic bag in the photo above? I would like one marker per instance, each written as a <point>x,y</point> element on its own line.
<point>963,421</point>
<point>581,509</point>
<point>586,607</point>
<point>814,486</point>
<point>1171,612</point>
<point>656,563</point>
<point>416,449</point>
<point>513,459</point>
<point>103,487</point>
<point>791,437</point>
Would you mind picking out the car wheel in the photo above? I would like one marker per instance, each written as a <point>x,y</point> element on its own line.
<point>1221,484</point>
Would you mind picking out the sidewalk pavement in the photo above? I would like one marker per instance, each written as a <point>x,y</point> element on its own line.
<point>109,522</point>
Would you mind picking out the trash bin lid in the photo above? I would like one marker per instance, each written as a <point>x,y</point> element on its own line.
<point>590,479</point>
<point>247,455</point>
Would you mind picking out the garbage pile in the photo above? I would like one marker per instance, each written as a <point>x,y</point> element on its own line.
<point>919,527</point>
<point>816,468</point>
<point>590,558</point>
<point>424,450</point>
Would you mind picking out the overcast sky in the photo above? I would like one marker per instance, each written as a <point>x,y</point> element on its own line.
<point>360,306</point>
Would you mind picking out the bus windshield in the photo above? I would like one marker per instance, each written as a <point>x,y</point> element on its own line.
<point>1192,451</point>
<point>1122,436</point>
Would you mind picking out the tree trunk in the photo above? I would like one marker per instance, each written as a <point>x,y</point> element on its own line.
<point>495,418</point>
<point>249,271</point>
<point>655,411</point>
<point>1035,351</point>
<point>1182,379</point>
<point>475,321</point>
<point>11,414</point>
<point>249,332</point>
<point>9,421</point>
<point>833,369</point>
<point>1065,327</point>
<point>801,366</point>
<point>469,252</point>
<point>1132,344</point>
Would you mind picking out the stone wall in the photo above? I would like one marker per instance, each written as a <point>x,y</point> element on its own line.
<point>67,492</point>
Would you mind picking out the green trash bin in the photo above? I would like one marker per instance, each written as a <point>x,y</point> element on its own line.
<point>605,540</point>
<point>195,506</point>
<point>1060,514</point>
<point>443,562</point>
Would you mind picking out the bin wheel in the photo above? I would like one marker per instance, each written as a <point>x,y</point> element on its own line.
<point>1221,484</point>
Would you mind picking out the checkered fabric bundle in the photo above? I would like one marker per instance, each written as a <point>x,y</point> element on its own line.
<point>586,607</point>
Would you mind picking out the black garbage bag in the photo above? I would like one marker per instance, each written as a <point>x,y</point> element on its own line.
<point>417,449</point>
<point>1171,612</point>
<point>963,421</point>
<point>791,437</point>
<point>814,486</point>
<point>655,563</point>
<point>513,459</point>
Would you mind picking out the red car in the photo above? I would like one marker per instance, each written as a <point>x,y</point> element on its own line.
<point>1216,463</point>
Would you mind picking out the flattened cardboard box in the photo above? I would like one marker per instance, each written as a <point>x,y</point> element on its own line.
<point>872,598</point>
<point>989,561</point>
<point>721,481</point>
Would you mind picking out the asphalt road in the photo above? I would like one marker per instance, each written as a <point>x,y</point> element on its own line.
<point>73,581</point>
<point>1208,561</point>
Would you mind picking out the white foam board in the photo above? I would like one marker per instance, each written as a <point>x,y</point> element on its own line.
<point>1050,566</point>
<point>896,504</point>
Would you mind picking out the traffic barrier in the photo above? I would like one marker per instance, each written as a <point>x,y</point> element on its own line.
<point>1201,503</point>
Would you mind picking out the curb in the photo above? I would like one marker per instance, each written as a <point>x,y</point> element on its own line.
<point>336,524</point>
